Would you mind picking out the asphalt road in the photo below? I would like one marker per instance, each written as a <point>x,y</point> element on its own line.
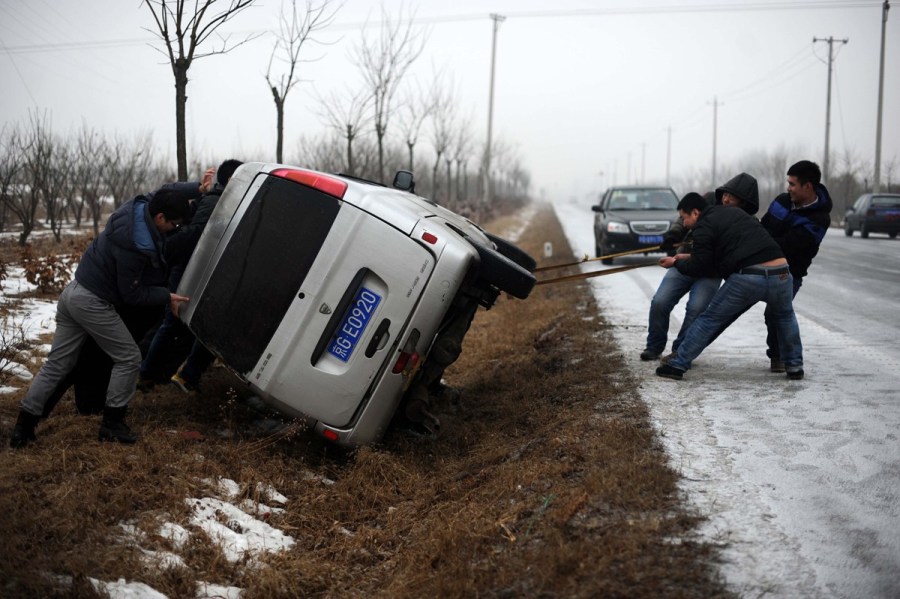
<point>859,292</point>
<point>799,480</point>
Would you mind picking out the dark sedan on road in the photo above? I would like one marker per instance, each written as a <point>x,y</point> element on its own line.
<point>874,213</point>
<point>633,217</point>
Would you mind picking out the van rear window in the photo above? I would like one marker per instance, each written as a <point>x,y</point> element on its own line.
<point>261,270</point>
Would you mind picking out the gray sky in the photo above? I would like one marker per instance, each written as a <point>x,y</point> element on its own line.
<point>585,90</point>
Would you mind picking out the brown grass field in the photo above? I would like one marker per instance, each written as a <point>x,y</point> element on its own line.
<point>547,480</point>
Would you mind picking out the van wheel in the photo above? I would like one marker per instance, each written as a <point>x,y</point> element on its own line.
<point>503,273</point>
<point>863,231</point>
<point>892,235</point>
<point>848,231</point>
<point>513,252</point>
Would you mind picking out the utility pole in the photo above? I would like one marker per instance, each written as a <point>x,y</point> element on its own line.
<point>487,150</point>
<point>643,160</point>
<point>830,41</point>
<point>877,182</point>
<point>715,105</point>
<point>668,152</point>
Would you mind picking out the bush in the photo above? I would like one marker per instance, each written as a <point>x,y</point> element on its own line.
<point>50,273</point>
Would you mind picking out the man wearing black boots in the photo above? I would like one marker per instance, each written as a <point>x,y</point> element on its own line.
<point>125,265</point>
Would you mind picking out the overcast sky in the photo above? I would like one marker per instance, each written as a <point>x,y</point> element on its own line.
<point>585,90</point>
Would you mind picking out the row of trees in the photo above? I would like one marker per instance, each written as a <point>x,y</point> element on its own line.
<point>48,180</point>
<point>67,178</point>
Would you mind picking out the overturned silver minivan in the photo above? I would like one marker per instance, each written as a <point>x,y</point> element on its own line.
<point>335,298</point>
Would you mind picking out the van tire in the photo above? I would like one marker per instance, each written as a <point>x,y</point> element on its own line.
<point>504,274</point>
<point>513,252</point>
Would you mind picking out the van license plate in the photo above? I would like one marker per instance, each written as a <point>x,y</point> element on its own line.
<point>354,324</point>
<point>650,239</point>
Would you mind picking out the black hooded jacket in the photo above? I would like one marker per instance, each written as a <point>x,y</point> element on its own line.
<point>743,187</point>
<point>726,240</point>
<point>799,232</point>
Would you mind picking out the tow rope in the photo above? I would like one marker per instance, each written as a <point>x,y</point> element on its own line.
<point>597,273</point>
<point>606,257</point>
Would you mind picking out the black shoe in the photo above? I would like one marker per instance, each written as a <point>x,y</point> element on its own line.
<point>113,427</point>
<point>776,365</point>
<point>795,375</point>
<point>648,355</point>
<point>670,372</point>
<point>23,432</point>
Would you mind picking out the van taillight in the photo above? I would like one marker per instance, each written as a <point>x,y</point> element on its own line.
<point>409,357</point>
<point>330,435</point>
<point>325,184</point>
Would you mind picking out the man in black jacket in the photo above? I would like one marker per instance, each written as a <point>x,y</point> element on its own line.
<point>125,265</point>
<point>740,191</point>
<point>179,249</point>
<point>797,220</point>
<point>733,245</point>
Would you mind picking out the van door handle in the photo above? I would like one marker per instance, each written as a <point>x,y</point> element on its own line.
<point>380,338</point>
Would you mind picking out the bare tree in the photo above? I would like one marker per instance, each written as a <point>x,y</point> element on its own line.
<point>10,167</point>
<point>413,111</point>
<point>36,149</point>
<point>347,114</point>
<point>462,152</point>
<point>126,170</point>
<point>89,181</point>
<point>443,116</point>
<point>294,32</point>
<point>56,187</point>
<point>383,64</point>
<point>192,27</point>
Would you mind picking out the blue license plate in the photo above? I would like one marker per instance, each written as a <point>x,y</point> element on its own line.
<point>654,239</point>
<point>354,324</point>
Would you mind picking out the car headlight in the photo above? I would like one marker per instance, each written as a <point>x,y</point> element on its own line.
<point>614,227</point>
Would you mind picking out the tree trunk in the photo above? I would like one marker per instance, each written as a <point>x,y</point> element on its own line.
<point>279,126</point>
<point>410,145</point>
<point>180,69</point>
<point>350,150</point>
<point>379,132</point>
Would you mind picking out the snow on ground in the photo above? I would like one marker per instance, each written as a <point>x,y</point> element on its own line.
<point>800,480</point>
<point>238,530</point>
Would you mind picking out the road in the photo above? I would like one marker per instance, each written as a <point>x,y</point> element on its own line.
<point>799,480</point>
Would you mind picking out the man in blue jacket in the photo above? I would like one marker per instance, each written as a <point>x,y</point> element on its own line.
<point>797,221</point>
<point>125,265</point>
<point>733,245</point>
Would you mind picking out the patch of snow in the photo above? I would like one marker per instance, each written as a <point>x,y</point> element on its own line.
<point>206,590</point>
<point>237,533</point>
<point>122,589</point>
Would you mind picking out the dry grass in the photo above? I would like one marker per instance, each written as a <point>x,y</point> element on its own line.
<point>547,481</point>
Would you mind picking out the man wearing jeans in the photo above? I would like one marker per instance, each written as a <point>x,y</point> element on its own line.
<point>733,245</point>
<point>740,191</point>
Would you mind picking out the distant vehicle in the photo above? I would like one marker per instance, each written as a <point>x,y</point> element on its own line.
<point>633,217</point>
<point>333,297</point>
<point>874,213</point>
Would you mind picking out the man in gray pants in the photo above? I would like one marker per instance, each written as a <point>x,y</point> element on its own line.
<point>124,265</point>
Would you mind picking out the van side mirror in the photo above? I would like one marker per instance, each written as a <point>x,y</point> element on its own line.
<point>597,208</point>
<point>403,180</point>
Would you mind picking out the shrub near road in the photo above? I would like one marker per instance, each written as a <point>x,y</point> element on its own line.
<point>547,480</point>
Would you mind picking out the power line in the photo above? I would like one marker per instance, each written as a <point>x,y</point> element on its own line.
<point>615,11</point>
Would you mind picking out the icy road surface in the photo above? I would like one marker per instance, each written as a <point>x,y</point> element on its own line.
<point>801,479</point>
